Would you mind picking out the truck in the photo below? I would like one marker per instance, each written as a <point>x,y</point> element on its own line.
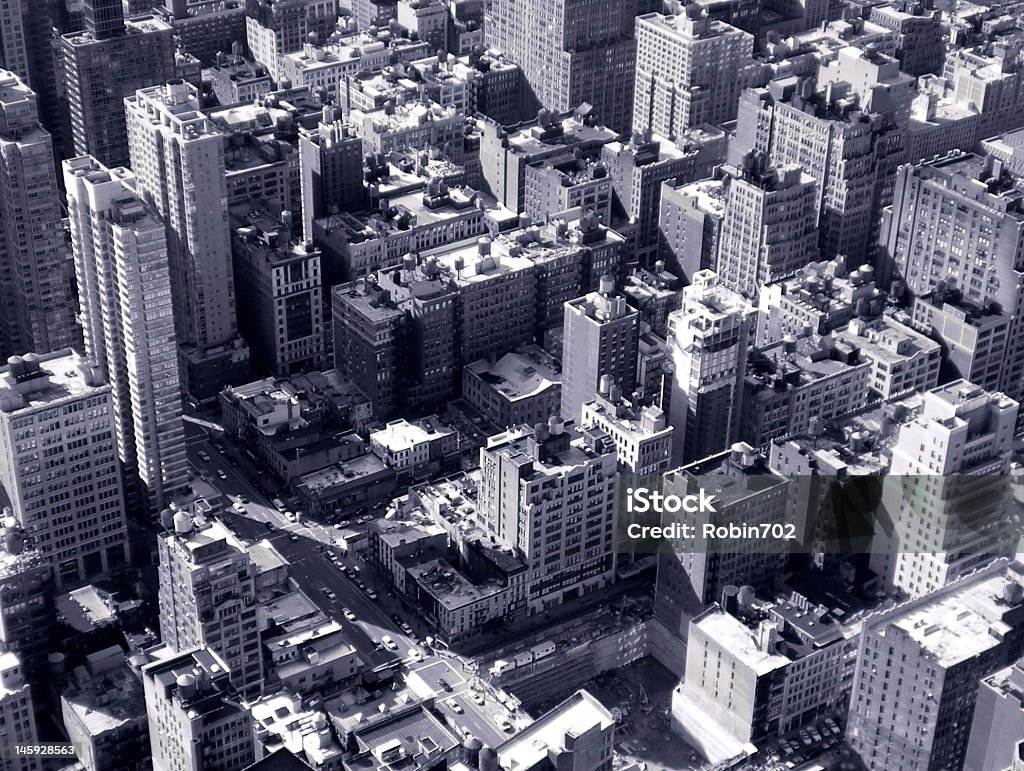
<point>501,666</point>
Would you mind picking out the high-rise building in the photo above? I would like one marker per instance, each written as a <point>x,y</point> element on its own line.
<point>17,714</point>
<point>13,40</point>
<point>708,341</point>
<point>642,436</point>
<point>207,593</point>
<point>196,721</point>
<point>124,290</point>
<point>28,617</point>
<point>693,572</point>
<point>921,47</point>
<point>178,160</point>
<point>58,407</point>
<point>690,223</point>
<point>547,492</point>
<point>845,129</point>
<point>998,721</point>
<point>600,334</point>
<point>919,666</point>
<point>571,52</point>
<point>280,290</point>
<point>331,158</point>
<point>941,211</point>
<point>639,167</point>
<point>278,27</point>
<point>770,227</point>
<point>36,304</point>
<point>102,65</point>
<point>689,71</point>
<point>949,471</point>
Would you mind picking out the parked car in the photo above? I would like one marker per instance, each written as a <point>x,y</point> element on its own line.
<point>348,614</point>
<point>388,643</point>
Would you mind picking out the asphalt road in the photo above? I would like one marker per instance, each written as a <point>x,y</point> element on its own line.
<point>307,547</point>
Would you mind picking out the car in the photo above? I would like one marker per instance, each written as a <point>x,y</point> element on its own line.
<point>396,618</point>
<point>444,684</point>
<point>405,627</point>
<point>204,457</point>
<point>832,726</point>
<point>806,738</point>
<point>506,725</point>
<point>371,594</point>
<point>221,474</point>
<point>478,698</point>
<point>415,654</point>
<point>355,570</point>
<point>815,735</point>
<point>331,595</point>
<point>348,614</point>
<point>454,706</point>
<point>338,526</point>
<point>414,637</point>
<point>359,583</point>
<point>243,499</point>
<point>364,519</point>
<point>237,506</point>
<point>308,523</point>
<point>292,537</point>
<point>388,643</point>
<point>219,448</point>
<point>269,525</point>
<point>290,516</point>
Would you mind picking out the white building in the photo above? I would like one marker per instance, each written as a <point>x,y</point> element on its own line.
<point>195,720</point>
<point>919,666</point>
<point>708,341</point>
<point>17,713</point>
<point>124,290</point>
<point>948,489</point>
<point>547,493</point>
<point>689,71</point>
<point>178,161</point>
<point>207,596</point>
<point>59,407</point>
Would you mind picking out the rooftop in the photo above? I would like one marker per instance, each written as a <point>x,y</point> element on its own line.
<point>962,620</point>
<point>31,381</point>
<point>552,733</point>
<point>519,375</point>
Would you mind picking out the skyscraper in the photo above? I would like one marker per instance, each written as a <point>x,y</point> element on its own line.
<point>60,405</point>
<point>689,71</point>
<point>941,210</point>
<point>571,51</point>
<point>178,160</point>
<point>278,27</point>
<point>845,128</point>
<point>708,341</point>
<point>36,306</point>
<point>948,490</point>
<point>106,62</point>
<point>207,593</point>
<point>547,493</point>
<point>770,227</point>
<point>195,719</point>
<point>331,159</point>
<point>124,289</point>
<point>919,665</point>
<point>600,337</point>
